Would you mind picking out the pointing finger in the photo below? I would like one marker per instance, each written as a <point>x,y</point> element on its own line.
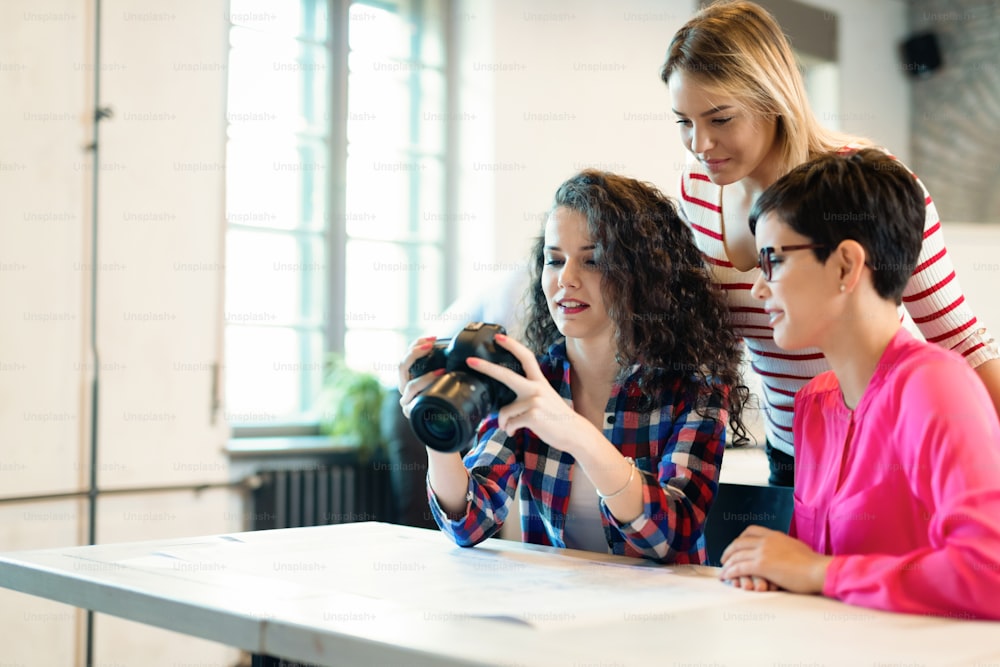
<point>515,381</point>
<point>525,356</point>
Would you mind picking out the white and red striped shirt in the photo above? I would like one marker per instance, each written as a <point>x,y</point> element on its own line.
<point>933,299</point>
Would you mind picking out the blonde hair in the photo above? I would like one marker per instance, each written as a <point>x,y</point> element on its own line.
<point>737,49</point>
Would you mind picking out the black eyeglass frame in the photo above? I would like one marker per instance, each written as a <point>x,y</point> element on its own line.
<point>764,256</point>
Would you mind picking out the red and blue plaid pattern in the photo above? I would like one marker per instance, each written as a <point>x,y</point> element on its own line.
<point>678,453</point>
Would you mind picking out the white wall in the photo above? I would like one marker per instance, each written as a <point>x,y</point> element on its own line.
<point>549,87</point>
<point>557,87</point>
<point>159,305</point>
<point>874,89</point>
<point>43,187</point>
<point>975,251</point>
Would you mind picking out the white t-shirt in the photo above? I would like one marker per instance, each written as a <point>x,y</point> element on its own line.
<point>584,529</point>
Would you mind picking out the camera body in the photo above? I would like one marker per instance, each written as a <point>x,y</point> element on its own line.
<point>446,414</point>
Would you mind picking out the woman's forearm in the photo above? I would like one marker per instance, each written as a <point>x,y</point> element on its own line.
<point>615,477</point>
<point>449,480</point>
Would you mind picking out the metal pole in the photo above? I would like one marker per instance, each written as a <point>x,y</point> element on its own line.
<point>99,114</point>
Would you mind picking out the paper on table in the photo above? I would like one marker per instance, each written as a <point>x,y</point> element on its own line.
<point>543,590</point>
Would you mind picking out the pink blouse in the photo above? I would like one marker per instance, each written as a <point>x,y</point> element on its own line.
<point>904,490</point>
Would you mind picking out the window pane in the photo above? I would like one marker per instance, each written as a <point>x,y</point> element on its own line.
<point>378,194</point>
<point>390,285</point>
<point>276,85</point>
<point>306,19</point>
<point>274,278</point>
<point>277,185</point>
<point>376,31</point>
<point>379,204</point>
<point>378,293</point>
<point>376,352</point>
<point>429,294</point>
<point>379,105</point>
<point>430,201</point>
<point>273,374</point>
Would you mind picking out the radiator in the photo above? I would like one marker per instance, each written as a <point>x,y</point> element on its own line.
<point>341,493</point>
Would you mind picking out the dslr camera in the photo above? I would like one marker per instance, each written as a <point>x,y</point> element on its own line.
<point>446,414</point>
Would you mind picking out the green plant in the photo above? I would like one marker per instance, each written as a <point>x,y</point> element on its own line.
<point>351,405</point>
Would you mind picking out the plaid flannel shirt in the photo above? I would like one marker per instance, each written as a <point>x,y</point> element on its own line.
<point>678,454</point>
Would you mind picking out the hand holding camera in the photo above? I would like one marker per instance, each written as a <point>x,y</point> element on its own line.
<point>478,375</point>
<point>445,415</point>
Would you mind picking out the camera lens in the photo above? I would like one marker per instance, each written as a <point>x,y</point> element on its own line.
<point>445,416</point>
<point>439,428</point>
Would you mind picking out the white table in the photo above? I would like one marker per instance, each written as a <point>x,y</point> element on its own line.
<point>379,594</point>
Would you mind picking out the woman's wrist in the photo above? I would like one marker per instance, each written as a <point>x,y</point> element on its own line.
<point>625,503</point>
<point>819,573</point>
<point>624,487</point>
<point>577,438</point>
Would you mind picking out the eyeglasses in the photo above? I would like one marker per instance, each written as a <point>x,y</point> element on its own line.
<point>765,260</point>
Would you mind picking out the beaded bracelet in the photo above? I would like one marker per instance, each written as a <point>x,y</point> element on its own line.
<point>631,474</point>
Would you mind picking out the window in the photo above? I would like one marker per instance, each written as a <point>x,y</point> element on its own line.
<point>336,196</point>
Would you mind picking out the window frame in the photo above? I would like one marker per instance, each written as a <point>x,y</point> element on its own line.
<point>338,21</point>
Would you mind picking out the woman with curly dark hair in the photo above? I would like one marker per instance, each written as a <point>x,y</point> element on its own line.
<point>618,429</point>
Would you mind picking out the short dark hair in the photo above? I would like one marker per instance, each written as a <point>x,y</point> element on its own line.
<point>866,196</point>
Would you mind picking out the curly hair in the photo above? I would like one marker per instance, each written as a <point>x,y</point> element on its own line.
<point>667,313</point>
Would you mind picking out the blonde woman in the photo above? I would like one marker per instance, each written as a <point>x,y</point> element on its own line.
<point>743,115</point>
